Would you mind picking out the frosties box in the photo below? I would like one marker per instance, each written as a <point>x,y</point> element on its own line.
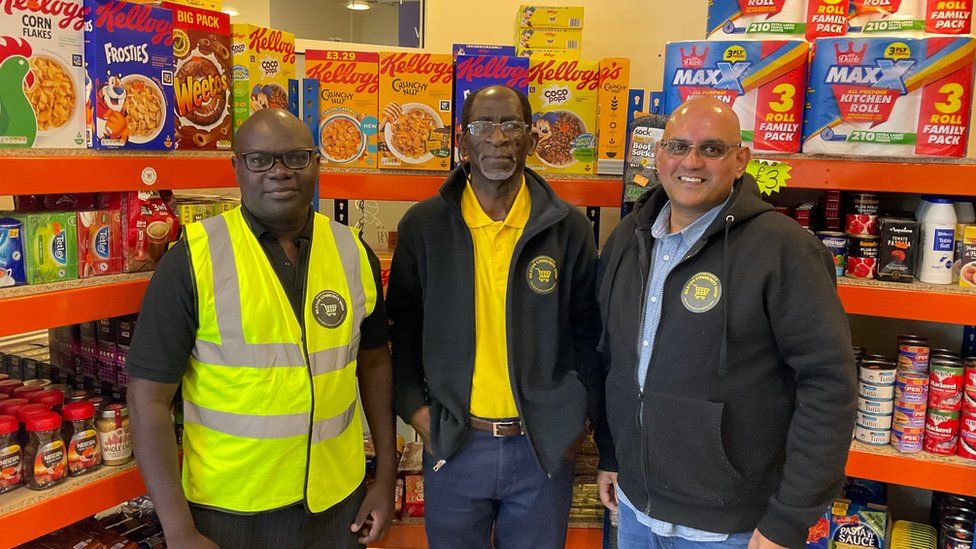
<point>202,85</point>
<point>473,71</point>
<point>763,81</point>
<point>42,74</point>
<point>129,57</point>
<point>730,19</point>
<point>415,111</point>
<point>890,96</point>
<point>348,86</point>
<point>563,94</point>
<point>264,61</point>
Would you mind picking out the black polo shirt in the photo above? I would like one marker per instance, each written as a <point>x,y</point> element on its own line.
<point>167,325</point>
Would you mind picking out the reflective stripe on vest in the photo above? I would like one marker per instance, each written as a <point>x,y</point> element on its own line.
<point>248,398</point>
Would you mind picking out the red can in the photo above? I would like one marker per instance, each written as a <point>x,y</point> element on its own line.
<point>945,385</point>
<point>861,224</point>
<point>941,432</point>
<point>969,402</point>
<point>967,436</point>
<point>862,257</point>
<point>970,366</point>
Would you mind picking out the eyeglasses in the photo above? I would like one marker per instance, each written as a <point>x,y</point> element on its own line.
<point>510,128</point>
<point>711,150</point>
<point>297,159</point>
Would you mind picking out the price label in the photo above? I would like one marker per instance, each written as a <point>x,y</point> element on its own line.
<point>770,175</point>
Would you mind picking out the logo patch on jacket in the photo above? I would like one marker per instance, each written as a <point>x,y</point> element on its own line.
<point>329,309</point>
<point>542,275</point>
<point>702,292</point>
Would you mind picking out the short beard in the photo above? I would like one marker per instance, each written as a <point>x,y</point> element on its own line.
<point>496,175</point>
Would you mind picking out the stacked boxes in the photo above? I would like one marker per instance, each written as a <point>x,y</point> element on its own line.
<point>563,94</point>
<point>264,62</point>
<point>549,29</point>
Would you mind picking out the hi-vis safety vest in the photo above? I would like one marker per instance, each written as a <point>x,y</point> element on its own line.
<point>271,419</point>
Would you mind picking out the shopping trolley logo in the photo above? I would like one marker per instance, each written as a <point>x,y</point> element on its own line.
<point>542,275</point>
<point>329,309</point>
<point>702,292</point>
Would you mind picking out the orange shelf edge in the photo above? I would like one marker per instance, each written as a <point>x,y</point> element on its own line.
<point>845,174</point>
<point>36,520</point>
<point>909,304</point>
<point>412,536</point>
<point>917,473</point>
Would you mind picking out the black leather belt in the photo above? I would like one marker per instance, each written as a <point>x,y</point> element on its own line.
<point>498,428</point>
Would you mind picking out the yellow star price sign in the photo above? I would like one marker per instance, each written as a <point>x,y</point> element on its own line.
<point>770,175</point>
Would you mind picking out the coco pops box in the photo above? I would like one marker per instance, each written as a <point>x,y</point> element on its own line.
<point>415,111</point>
<point>264,62</point>
<point>202,81</point>
<point>129,57</point>
<point>41,52</point>
<point>348,86</point>
<point>563,94</point>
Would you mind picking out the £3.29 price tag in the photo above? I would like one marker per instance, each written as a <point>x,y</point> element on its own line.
<point>770,175</point>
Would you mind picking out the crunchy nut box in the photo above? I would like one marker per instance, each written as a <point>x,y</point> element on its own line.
<point>264,61</point>
<point>612,114</point>
<point>563,94</point>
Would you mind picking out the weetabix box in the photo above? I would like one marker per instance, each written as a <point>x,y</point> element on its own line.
<point>202,82</point>
<point>129,57</point>
<point>348,86</point>
<point>479,70</point>
<point>415,111</point>
<point>563,94</point>
<point>41,50</point>
<point>612,115</point>
<point>550,17</point>
<point>264,62</point>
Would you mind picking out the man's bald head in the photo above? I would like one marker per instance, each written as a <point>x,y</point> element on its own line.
<point>721,120</point>
<point>267,127</point>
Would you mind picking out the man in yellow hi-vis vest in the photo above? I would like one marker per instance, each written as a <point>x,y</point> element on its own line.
<point>271,316</point>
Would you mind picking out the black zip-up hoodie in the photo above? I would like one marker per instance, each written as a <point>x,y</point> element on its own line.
<point>553,323</point>
<point>747,411</point>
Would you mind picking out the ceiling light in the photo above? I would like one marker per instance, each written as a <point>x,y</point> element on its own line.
<point>230,11</point>
<point>357,5</point>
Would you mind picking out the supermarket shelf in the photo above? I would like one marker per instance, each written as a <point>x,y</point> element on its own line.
<point>928,302</point>
<point>29,308</point>
<point>409,534</point>
<point>881,175</point>
<point>921,470</point>
<point>26,514</point>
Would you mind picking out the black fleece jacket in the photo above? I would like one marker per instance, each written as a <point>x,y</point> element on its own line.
<point>552,333</point>
<point>746,415</point>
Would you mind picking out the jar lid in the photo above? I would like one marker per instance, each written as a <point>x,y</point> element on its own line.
<point>24,390</point>
<point>27,411</point>
<point>8,424</point>
<point>77,396</point>
<point>37,383</point>
<point>76,411</point>
<point>43,422</point>
<point>50,397</point>
<point>112,411</point>
<point>10,407</point>
<point>7,386</point>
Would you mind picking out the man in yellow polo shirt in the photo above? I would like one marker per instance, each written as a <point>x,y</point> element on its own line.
<point>492,300</point>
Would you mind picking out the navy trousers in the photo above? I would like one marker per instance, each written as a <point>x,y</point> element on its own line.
<point>494,493</point>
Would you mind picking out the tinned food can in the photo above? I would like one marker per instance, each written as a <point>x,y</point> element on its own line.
<point>956,532</point>
<point>865,203</point>
<point>905,416</point>
<point>946,379</point>
<point>906,440</point>
<point>836,242</point>
<point>881,407</point>
<point>862,257</point>
<point>856,224</point>
<point>878,372</point>
<point>912,387</point>
<point>913,353</point>
<point>875,390</point>
<point>874,437</point>
<point>941,432</point>
<point>879,422</point>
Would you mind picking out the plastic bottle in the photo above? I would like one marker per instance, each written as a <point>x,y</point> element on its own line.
<point>923,205</point>
<point>938,239</point>
<point>965,215</point>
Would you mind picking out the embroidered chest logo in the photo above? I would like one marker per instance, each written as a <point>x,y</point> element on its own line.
<point>542,275</point>
<point>329,309</point>
<point>702,292</point>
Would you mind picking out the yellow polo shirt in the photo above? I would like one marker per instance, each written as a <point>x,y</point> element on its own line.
<point>494,244</point>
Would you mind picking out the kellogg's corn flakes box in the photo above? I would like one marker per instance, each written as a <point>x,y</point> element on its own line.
<point>202,86</point>
<point>415,111</point>
<point>42,74</point>
<point>348,86</point>
<point>563,94</point>
<point>612,115</point>
<point>129,56</point>
<point>890,96</point>
<point>264,62</point>
<point>763,81</point>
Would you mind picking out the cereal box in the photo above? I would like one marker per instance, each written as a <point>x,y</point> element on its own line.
<point>567,39</point>
<point>563,94</point>
<point>129,57</point>
<point>99,243</point>
<point>548,53</point>
<point>202,82</point>
<point>51,246</point>
<point>763,81</point>
<point>415,111</point>
<point>212,5</point>
<point>42,74</point>
<point>481,49</point>
<point>473,71</point>
<point>348,86</point>
<point>550,17</point>
<point>890,96</point>
<point>264,62</point>
<point>612,115</point>
<point>730,19</point>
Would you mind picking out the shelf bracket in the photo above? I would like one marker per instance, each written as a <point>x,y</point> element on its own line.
<point>341,211</point>
<point>593,214</point>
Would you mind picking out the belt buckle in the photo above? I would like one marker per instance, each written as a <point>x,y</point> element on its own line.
<point>495,426</point>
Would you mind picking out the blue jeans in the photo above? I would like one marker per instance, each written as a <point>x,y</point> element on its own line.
<point>493,490</point>
<point>631,534</point>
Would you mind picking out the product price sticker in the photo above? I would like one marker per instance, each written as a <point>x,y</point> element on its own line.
<point>770,175</point>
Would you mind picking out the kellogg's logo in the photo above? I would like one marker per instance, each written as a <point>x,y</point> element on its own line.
<point>101,243</point>
<point>567,71</point>
<point>493,67</point>
<point>416,63</point>
<point>113,16</point>
<point>262,39</point>
<point>71,14</point>
<point>332,72</point>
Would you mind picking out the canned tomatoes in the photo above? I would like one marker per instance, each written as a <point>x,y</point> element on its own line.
<point>875,437</point>
<point>862,257</point>
<point>861,224</point>
<point>865,203</point>
<point>875,391</point>
<point>877,372</point>
<point>836,242</point>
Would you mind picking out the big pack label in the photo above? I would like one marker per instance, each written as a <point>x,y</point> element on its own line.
<point>785,18</point>
<point>762,81</point>
<point>890,96</point>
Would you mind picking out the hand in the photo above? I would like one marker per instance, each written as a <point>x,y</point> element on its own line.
<point>191,540</point>
<point>606,483</point>
<point>420,421</point>
<point>375,514</point>
<point>758,540</point>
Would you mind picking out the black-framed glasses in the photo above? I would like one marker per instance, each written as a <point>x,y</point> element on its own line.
<point>510,128</point>
<point>297,159</point>
<point>712,150</point>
